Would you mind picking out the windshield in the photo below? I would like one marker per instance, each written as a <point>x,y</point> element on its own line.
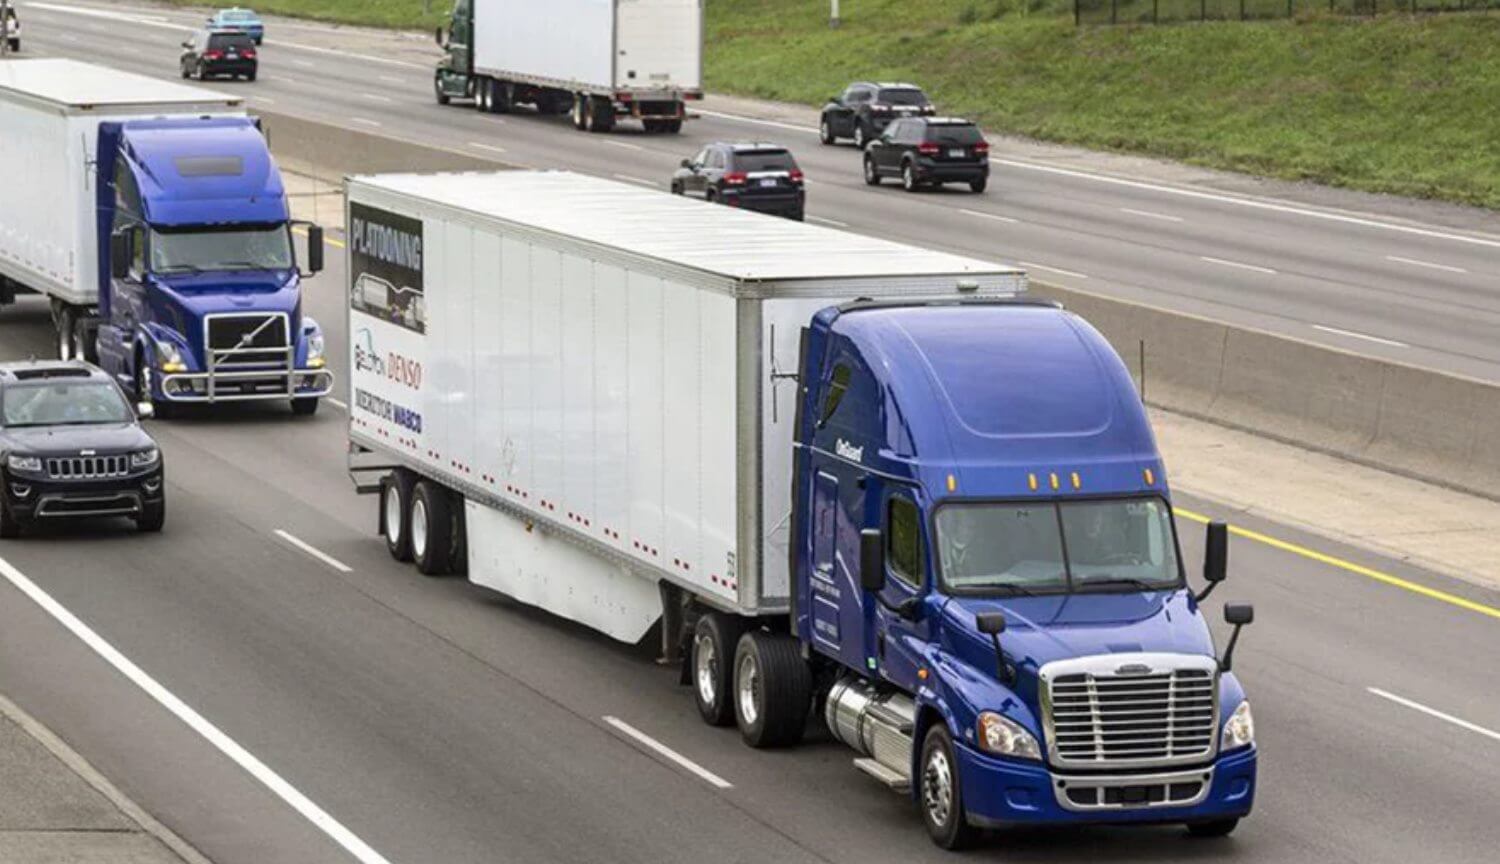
<point>1047,547</point>
<point>55,404</point>
<point>902,96</point>
<point>238,248</point>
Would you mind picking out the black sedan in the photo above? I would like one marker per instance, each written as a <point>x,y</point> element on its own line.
<point>71,447</point>
<point>754,176</point>
<point>214,53</point>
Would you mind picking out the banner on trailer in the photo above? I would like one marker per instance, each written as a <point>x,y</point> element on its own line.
<point>386,267</point>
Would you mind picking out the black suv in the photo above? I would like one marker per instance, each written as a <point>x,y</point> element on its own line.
<point>929,151</point>
<point>865,109</point>
<point>71,447</point>
<point>211,53</point>
<point>760,177</point>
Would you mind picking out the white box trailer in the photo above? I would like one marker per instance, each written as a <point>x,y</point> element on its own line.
<point>603,58</point>
<point>50,111</point>
<point>601,372</point>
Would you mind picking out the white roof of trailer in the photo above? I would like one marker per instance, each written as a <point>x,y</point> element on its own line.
<point>73,84</point>
<point>716,239</point>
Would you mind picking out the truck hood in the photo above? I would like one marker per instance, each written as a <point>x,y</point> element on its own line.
<point>70,440</point>
<point>1040,630</point>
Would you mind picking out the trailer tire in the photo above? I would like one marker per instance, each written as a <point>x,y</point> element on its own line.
<point>772,690</point>
<point>1216,828</point>
<point>940,794</point>
<point>395,513</point>
<point>503,97</point>
<point>601,115</point>
<point>84,345</point>
<point>712,668</point>
<point>431,529</point>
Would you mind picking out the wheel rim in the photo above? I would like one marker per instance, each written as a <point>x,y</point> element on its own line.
<point>707,672</point>
<point>869,170</point>
<point>824,131</point>
<point>749,689</point>
<point>859,136</point>
<point>419,528</point>
<point>80,348</point>
<point>143,383</point>
<point>908,178</point>
<point>937,787</point>
<point>393,529</point>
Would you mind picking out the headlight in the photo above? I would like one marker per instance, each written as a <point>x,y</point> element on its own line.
<point>1006,737</point>
<point>1239,729</point>
<point>169,357</point>
<point>24,463</point>
<point>145,458</point>
<point>315,349</point>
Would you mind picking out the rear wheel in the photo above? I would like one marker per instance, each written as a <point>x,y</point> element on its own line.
<point>580,111</point>
<point>1216,828</point>
<point>432,529</point>
<point>978,186</point>
<point>909,177</point>
<point>872,173</point>
<point>772,690</point>
<point>84,347</point>
<point>503,99</point>
<point>714,639</point>
<point>941,794</point>
<point>250,77</point>
<point>861,138</point>
<point>601,116</point>
<point>673,126</point>
<point>395,513</point>
<point>482,95</point>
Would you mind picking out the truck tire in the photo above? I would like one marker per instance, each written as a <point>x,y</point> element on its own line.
<point>305,406</point>
<point>431,531</point>
<point>503,97</point>
<point>940,794</point>
<point>65,321</point>
<point>601,115</point>
<point>159,409</point>
<point>395,513</point>
<point>1216,828</point>
<point>153,516</point>
<point>482,95</point>
<point>85,346</point>
<point>673,126</point>
<point>772,690</point>
<point>711,670</point>
<point>437,89</point>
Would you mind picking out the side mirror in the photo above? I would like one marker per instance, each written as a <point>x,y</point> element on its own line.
<point>1215,557</point>
<point>872,560</point>
<point>992,624</point>
<point>314,248</point>
<point>145,410</point>
<point>837,100</point>
<point>1237,614</point>
<point>687,163</point>
<point>187,43</point>
<point>119,254</point>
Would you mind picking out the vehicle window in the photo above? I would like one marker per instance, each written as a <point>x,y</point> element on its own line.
<point>230,40</point>
<point>904,541</point>
<point>702,157</point>
<point>902,96</point>
<point>893,131</point>
<point>838,385</point>
<point>137,251</point>
<point>127,194</point>
<point>238,248</point>
<point>53,404</point>
<point>858,95</point>
<point>764,160</point>
<point>954,134</point>
<point>1119,541</point>
<point>716,159</point>
<point>911,132</point>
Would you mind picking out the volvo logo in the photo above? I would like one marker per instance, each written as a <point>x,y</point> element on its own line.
<point>1133,669</point>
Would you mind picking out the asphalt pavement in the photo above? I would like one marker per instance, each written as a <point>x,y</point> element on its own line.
<point>1385,286</point>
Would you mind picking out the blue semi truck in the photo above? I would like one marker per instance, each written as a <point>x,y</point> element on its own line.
<point>840,476</point>
<point>154,218</point>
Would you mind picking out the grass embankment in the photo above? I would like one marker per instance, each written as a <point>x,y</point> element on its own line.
<point>398,14</point>
<point>1394,104</point>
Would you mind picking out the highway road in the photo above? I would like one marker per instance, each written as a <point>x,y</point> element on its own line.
<point>1417,293</point>
<point>414,720</point>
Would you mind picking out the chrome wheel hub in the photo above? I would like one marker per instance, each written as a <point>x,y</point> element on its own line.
<point>419,527</point>
<point>706,671</point>
<point>937,787</point>
<point>393,526</point>
<point>748,685</point>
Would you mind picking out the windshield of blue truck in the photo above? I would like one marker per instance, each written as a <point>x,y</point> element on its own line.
<point>72,404</point>
<point>192,250</point>
<point>1021,548</point>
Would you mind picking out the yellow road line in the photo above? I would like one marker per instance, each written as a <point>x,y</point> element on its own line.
<point>1349,566</point>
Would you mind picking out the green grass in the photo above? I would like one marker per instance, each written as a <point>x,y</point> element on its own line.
<point>400,14</point>
<point>1394,104</point>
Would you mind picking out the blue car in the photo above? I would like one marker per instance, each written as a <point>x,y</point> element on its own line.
<point>243,20</point>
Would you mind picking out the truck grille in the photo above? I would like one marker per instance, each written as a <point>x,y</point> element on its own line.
<point>88,467</point>
<point>1151,716</point>
<point>252,340</point>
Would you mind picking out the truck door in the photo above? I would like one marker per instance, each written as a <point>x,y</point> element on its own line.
<point>461,37</point>
<point>898,639</point>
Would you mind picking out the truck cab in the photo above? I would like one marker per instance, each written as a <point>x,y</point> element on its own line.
<point>200,289</point>
<point>987,576</point>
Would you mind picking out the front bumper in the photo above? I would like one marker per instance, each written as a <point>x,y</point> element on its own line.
<point>244,386</point>
<point>34,498</point>
<point>1002,792</point>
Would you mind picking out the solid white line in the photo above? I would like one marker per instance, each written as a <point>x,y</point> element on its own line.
<point>1255,267</point>
<point>1415,263</point>
<point>1149,215</point>
<point>375,97</point>
<point>364,121</point>
<point>195,721</point>
<point>1353,335</point>
<point>1433,712</point>
<point>983,215</point>
<point>490,147</point>
<point>315,552</point>
<point>622,144</point>
<point>834,222</point>
<point>348,55</point>
<point>662,749</point>
<point>1058,270</point>
<point>306,64</point>
<point>630,179</point>
<point>337,403</point>
<point>265,100</point>
<point>390,79</point>
<point>758,122</point>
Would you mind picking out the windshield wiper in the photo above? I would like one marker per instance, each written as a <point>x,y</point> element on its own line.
<point>247,265</point>
<point>180,268</point>
<point>1011,589</point>
<point>1128,581</point>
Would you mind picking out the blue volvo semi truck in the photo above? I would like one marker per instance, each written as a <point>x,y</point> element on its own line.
<point>154,218</point>
<point>846,480</point>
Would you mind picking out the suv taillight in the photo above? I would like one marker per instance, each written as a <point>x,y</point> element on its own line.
<point>212,55</point>
<point>982,147</point>
<point>796,175</point>
<point>881,109</point>
<point>928,148</point>
<point>736,178</point>
<point>247,53</point>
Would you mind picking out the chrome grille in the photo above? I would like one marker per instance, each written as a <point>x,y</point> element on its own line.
<point>1154,715</point>
<point>88,467</point>
<point>254,340</point>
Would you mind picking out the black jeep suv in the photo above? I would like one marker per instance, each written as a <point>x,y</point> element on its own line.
<point>864,109</point>
<point>930,151</point>
<point>71,447</point>
<point>755,176</point>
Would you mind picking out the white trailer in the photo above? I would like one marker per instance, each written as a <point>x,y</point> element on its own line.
<point>50,111</point>
<point>602,58</point>
<point>600,384</point>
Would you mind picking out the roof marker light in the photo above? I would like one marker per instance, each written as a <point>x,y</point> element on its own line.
<point>1055,484</point>
<point>1150,477</point>
<point>952,483</point>
<point>1077,481</point>
<point>1031,481</point>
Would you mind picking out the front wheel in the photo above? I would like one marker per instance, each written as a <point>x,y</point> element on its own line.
<point>772,690</point>
<point>825,131</point>
<point>305,406</point>
<point>941,794</point>
<point>872,173</point>
<point>1216,828</point>
<point>10,526</point>
<point>153,517</point>
<point>437,90</point>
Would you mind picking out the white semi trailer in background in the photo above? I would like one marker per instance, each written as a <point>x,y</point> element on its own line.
<point>598,59</point>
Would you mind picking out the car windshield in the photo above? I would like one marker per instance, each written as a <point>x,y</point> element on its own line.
<point>63,403</point>
<point>230,40</point>
<point>764,160</point>
<point>1050,547</point>
<point>902,96</point>
<point>953,133</point>
<point>239,15</point>
<point>238,248</point>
